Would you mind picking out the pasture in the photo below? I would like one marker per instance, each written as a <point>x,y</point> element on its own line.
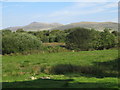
<point>84,69</point>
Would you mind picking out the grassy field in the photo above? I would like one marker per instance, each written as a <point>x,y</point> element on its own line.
<point>85,69</point>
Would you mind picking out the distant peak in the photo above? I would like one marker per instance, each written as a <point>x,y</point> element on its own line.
<point>34,22</point>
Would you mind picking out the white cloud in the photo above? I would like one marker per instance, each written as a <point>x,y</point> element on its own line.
<point>111,5</point>
<point>110,20</point>
<point>76,12</point>
<point>79,9</point>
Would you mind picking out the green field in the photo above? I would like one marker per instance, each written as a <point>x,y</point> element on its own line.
<point>84,69</point>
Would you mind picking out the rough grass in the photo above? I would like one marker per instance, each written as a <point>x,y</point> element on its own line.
<point>76,70</point>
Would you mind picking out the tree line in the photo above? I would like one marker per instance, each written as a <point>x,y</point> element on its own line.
<point>78,39</point>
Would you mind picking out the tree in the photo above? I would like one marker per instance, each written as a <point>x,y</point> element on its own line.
<point>115,33</point>
<point>6,31</point>
<point>20,30</point>
<point>107,40</point>
<point>18,42</point>
<point>79,39</point>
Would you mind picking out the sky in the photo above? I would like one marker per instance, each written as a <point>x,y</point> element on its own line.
<point>24,13</point>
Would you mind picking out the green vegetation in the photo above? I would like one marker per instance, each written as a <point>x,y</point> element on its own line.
<point>79,39</point>
<point>18,70</point>
<point>73,58</point>
<point>18,42</point>
<point>50,36</point>
<point>86,39</point>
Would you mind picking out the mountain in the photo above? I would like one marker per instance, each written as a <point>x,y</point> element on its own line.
<point>95,25</point>
<point>38,26</point>
<point>14,28</point>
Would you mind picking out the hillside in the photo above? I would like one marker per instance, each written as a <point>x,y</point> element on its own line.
<point>37,26</point>
<point>95,25</point>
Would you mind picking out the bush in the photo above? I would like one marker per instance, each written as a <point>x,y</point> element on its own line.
<point>18,42</point>
<point>90,39</point>
<point>69,68</point>
<point>107,40</point>
<point>79,39</point>
<point>53,49</point>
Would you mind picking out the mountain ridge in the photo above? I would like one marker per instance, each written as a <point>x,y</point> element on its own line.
<point>40,26</point>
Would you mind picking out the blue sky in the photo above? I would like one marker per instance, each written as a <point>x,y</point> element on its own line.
<point>23,13</point>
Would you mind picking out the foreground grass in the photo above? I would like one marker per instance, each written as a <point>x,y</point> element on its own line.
<point>18,70</point>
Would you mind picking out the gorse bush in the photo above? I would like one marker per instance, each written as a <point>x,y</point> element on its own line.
<point>18,42</point>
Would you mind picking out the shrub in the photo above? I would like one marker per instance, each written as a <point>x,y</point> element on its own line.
<point>18,42</point>
<point>20,30</point>
<point>79,39</point>
<point>69,68</point>
<point>89,39</point>
<point>107,40</point>
<point>54,49</point>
